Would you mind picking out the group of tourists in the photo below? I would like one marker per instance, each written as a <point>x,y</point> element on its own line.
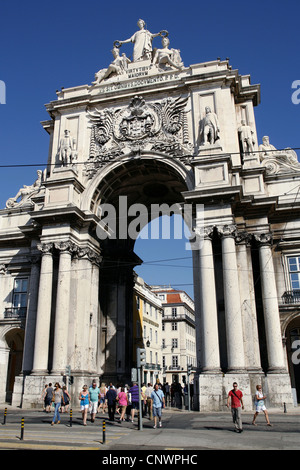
<point>123,401</point>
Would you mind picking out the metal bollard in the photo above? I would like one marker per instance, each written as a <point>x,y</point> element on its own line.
<point>71,415</point>
<point>22,429</point>
<point>103,432</point>
<point>284,407</point>
<point>5,413</point>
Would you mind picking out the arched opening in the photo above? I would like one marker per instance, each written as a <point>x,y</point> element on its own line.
<point>133,193</point>
<point>293,355</point>
<point>15,343</point>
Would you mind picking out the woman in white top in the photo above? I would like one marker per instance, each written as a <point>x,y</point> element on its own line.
<point>260,405</point>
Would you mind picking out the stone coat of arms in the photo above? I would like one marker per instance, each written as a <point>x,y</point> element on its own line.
<point>159,127</point>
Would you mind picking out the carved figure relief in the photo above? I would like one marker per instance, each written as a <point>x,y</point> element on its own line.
<point>158,127</point>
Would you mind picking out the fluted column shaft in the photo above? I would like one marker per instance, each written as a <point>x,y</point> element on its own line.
<point>208,305</point>
<point>42,331</point>
<point>270,304</point>
<point>60,347</point>
<point>232,300</point>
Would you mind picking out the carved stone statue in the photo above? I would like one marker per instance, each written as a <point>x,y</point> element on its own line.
<point>166,56</point>
<point>142,40</point>
<point>26,192</point>
<point>209,127</point>
<point>246,136</point>
<point>117,67</point>
<point>266,148</point>
<point>66,151</point>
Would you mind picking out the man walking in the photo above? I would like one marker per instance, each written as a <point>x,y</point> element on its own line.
<point>94,392</point>
<point>158,402</point>
<point>236,397</point>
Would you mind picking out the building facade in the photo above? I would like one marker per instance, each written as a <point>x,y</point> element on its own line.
<point>145,133</point>
<point>178,335</point>
<point>147,315</point>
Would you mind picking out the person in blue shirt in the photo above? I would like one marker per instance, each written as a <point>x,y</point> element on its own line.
<point>94,392</point>
<point>158,402</point>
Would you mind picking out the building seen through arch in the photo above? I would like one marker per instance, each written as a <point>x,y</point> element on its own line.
<point>146,136</point>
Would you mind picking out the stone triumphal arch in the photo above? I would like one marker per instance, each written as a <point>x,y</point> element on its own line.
<point>153,131</point>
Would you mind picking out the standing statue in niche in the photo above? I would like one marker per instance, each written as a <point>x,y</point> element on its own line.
<point>246,136</point>
<point>67,148</point>
<point>209,127</point>
<point>117,67</point>
<point>142,40</point>
<point>166,56</point>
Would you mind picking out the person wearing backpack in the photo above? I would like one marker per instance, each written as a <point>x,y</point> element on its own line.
<point>236,397</point>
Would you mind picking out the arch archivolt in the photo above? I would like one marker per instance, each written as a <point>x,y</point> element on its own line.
<point>183,173</point>
<point>286,322</point>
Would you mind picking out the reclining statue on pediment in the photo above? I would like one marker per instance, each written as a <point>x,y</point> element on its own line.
<point>25,193</point>
<point>277,161</point>
<point>165,56</point>
<point>117,67</point>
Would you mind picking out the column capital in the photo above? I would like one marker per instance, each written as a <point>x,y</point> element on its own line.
<point>243,237</point>
<point>205,232</point>
<point>87,253</point>
<point>264,238</point>
<point>227,231</point>
<point>65,246</point>
<point>45,248</point>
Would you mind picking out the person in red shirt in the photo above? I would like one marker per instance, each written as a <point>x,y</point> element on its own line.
<point>236,398</point>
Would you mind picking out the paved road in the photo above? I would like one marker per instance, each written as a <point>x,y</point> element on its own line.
<point>181,431</point>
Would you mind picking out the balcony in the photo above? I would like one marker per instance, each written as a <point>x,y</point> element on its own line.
<point>291,297</point>
<point>16,313</point>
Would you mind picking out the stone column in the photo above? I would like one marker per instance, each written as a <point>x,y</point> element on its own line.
<point>248,307</point>
<point>42,331</point>
<point>83,313</point>
<point>232,300</point>
<point>270,304</point>
<point>208,305</point>
<point>60,346</point>
<point>31,315</point>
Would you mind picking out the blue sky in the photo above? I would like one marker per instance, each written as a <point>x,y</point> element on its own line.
<point>46,46</point>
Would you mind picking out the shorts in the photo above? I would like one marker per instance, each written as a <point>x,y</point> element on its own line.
<point>157,411</point>
<point>102,400</point>
<point>135,405</point>
<point>84,407</point>
<point>260,408</point>
<point>93,407</point>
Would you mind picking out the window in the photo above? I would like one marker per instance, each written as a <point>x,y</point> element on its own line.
<point>294,271</point>
<point>174,361</point>
<point>174,343</point>
<point>164,361</point>
<point>20,293</point>
<point>174,326</point>
<point>174,312</point>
